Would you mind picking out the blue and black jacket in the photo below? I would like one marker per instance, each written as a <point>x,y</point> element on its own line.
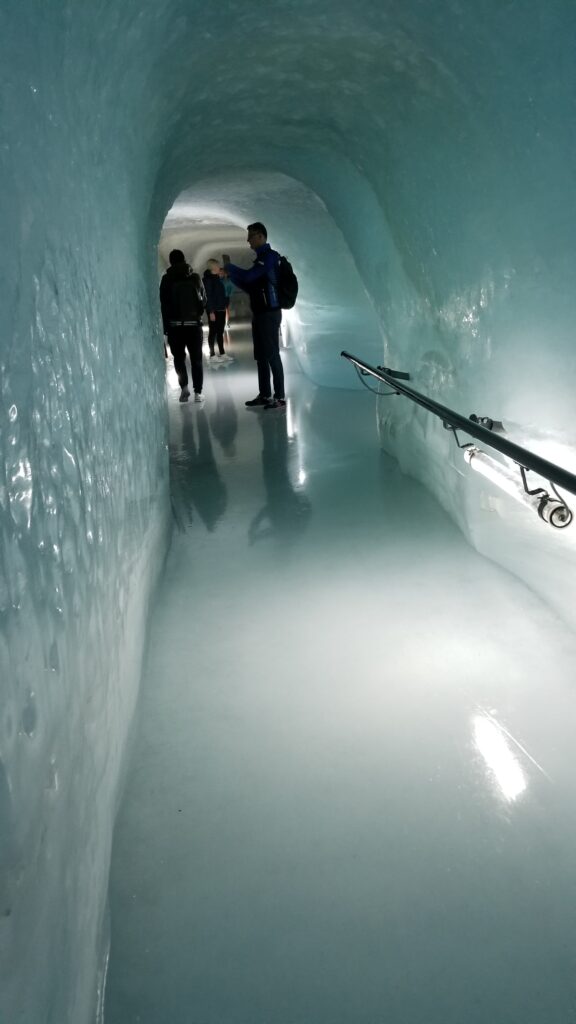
<point>260,281</point>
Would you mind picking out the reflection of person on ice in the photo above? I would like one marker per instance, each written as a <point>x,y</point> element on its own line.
<point>260,284</point>
<point>286,511</point>
<point>182,302</point>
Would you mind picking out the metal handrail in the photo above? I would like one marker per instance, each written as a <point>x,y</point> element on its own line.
<point>525,459</point>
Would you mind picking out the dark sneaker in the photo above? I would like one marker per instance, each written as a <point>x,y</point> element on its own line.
<point>275,403</point>
<point>184,395</point>
<point>257,401</point>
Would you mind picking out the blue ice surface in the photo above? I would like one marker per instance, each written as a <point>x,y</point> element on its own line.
<point>347,800</point>
<point>416,163</point>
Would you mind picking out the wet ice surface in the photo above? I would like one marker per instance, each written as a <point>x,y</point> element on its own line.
<point>351,797</point>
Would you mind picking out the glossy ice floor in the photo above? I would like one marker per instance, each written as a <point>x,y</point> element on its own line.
<point>352,792</point>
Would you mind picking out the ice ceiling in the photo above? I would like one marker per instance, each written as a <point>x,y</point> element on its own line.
<point>419,155</point>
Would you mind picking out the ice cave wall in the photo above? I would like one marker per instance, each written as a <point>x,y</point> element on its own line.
<point>83,496</point>
<point>439,140</point>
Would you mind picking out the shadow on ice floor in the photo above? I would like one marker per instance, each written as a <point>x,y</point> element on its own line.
<point>351,797</point>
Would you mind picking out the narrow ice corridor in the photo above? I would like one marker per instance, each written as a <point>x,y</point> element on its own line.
<point>351,792</point>
<point>345,792</point>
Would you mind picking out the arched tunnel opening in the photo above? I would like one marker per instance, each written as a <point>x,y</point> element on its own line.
<point>318,671</point>
<point>333,303</point>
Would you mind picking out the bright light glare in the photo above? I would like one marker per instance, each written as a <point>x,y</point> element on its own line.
<point>21,488</point>
<point>290,425</point>
<point>172,377</point>
<point>302,477</point>
<point>291,330</point>
<point>504,766</point>
<point>562,454</point>
<point>505,478</point>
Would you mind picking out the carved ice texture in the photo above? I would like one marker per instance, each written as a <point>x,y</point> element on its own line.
<point>416,162</point>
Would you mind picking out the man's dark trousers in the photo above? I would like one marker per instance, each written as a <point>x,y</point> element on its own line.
<point>180,338</point>
<point>216,330</point>
<point>266,337</point>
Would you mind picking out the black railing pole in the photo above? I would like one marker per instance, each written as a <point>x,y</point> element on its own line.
<point>548,470</point>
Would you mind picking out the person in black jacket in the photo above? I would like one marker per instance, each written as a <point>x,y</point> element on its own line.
<point>216,302</point>
<point>182,302</point>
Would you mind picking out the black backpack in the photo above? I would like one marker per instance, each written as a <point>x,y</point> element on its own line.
<point>286,284</point>
<point>188,301</point>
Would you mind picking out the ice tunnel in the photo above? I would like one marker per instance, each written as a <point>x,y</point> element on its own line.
<point>416,161</point>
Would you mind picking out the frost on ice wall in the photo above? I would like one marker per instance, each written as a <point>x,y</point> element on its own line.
<point>416,160</point>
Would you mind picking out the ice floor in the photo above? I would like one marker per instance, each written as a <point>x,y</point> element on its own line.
<point>352,792</point>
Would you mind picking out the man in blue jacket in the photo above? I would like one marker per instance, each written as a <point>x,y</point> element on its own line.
<point>260,284</point>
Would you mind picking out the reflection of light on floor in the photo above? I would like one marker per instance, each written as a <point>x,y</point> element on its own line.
<point>493,746</point>
<point>301,477</point>
<point>290,424</point>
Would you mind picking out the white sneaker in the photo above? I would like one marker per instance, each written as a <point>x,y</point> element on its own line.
<point>198,398</point>
<point>227,359</point>
<point>184,395</point>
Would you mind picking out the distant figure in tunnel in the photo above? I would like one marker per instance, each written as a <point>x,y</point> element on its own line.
<point>228,288</point>
<point>260,284</point>
<point>183,301</point>
<point>216,309</point>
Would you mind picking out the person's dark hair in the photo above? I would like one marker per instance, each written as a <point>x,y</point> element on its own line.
<point>257,227</point>
<point>176,256</point>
